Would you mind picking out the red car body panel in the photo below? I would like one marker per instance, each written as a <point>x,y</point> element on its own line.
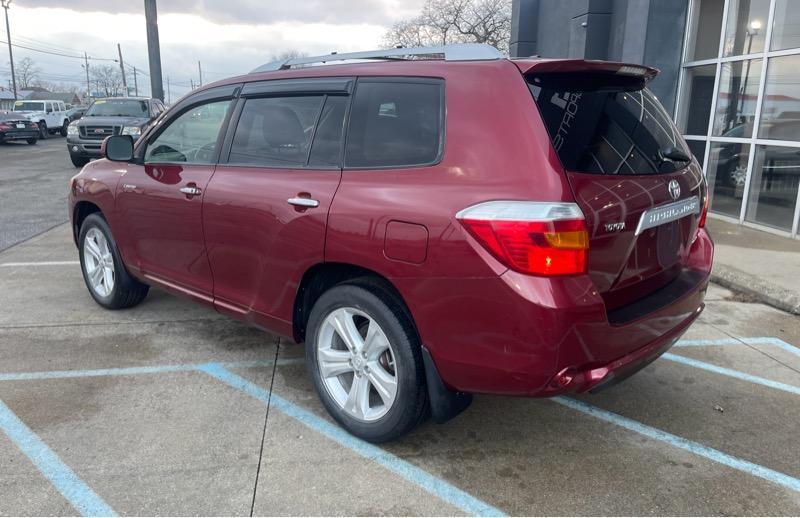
<point>259,246</point>
<point>488,329</point>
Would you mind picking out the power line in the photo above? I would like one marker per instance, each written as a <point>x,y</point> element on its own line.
<point>53,53</point>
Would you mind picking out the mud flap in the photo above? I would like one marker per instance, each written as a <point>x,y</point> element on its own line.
<point>445,403</point>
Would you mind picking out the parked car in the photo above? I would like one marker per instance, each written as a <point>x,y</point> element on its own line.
<point>106,117</point>
<point>50,116</point>
<point>76,113</point>
<point>15,127</point>
<point>430,228</point>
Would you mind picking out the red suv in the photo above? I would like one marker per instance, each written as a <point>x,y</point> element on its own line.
<point>438,223</point>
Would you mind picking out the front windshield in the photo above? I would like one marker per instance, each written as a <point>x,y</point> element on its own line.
<point>28,106</point>
<point>118,108</point>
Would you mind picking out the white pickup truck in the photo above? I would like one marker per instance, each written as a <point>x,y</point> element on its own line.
<point>51,116</point>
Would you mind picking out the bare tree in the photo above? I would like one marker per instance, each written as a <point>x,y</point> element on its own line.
<point>288,54</point>
<point>53,86</point>
<point>106,79</point>
<point>455,21</point>
<point>27,73</point>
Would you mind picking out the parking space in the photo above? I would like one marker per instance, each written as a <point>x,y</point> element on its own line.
<point>169,408</point>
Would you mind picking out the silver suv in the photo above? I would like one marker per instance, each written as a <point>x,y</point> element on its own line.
<point>106,117</point>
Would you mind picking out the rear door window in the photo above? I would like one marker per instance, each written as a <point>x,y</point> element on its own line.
<point>327,147</point>
<point>605,126</point>
<point>395,123</point>
<point>275,131</point>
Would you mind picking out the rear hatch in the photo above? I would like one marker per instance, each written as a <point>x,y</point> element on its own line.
<point>629,169</point>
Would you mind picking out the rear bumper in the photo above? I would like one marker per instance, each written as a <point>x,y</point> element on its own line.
<point>531,336</point>
<point>19,135</point>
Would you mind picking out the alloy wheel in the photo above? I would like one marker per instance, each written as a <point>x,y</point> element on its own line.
<point>98,262</point>
<point>357,364</point>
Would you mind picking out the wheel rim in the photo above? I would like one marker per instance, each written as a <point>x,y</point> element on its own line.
<point>357,364</point>
<point>98,262</point>
<point>739,175</point>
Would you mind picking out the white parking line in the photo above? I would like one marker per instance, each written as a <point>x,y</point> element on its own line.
<point>41,263</point>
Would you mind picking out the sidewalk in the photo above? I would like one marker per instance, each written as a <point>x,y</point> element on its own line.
<point>757,263</point>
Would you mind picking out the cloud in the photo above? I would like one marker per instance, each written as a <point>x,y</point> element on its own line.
<point>381,12</point>
<point>226,47</point>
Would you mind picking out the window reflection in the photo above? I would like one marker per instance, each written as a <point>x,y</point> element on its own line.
<point>746,26</point>
<point>727,175</point>
<point>698,91</point>
<point>780,112</point>
<point>773,188</point>
<point>706,20</point>
<point>736,100</point>
<point>786,27</point>
<point>698,149</point>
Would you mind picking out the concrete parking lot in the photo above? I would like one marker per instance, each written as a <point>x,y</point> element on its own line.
<point>170,408</point>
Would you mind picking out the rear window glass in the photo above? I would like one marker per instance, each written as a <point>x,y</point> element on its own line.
<point>275,131</point>
<point>606,129</point>
<point>395,124</point>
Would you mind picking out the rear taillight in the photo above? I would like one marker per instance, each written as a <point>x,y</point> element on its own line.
<point>4,126</point>
<point>536,238</point>
<point>704,210</point>
<point>34,125</point>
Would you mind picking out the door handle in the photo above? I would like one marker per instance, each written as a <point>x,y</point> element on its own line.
<point>190,191</point>
<point>303,202</point>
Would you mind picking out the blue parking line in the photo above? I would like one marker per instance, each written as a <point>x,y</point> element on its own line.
<point>75,490</point>
<point>128,371</point>
<point>732,373</point>
<point>408,471</point>
<point>684,444</point>
<point>758,340</point>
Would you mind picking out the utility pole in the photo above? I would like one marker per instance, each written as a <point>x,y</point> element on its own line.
<point>122,68</point>
<point>88,86</point>
<point>169,93</point>
<point>191,83</point>
<point>200,74</point>
<point>135,83</point>
<point>6,4</point>
<point>153,49</point>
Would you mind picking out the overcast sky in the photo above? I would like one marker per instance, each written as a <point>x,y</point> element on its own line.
<point>228,36</point>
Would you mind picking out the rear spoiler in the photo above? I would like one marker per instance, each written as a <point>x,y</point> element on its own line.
<point>571,66</point>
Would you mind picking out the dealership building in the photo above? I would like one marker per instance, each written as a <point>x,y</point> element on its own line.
<point>730,76</point>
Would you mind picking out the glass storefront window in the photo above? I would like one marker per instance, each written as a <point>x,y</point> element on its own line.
<point>780,110</point>
<point>697,94</point>
<point>746,26</point>
<point>736,99</point>
<point>706,20</point>
<point>773,187</point>
<point>698,149</point>
<point>786,28</point>
<point>727,175</point>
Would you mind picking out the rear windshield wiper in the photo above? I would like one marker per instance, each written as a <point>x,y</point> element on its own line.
<point>672,154</point>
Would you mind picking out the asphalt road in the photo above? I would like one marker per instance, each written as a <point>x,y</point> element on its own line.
<point>170,408</point>
<point>33,188</point>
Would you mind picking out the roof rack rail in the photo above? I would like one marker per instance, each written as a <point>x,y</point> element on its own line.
<point>451,52</point>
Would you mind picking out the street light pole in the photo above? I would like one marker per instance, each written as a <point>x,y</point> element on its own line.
<point>6,4</point>
<point>122,69</point>
<point>153,49</point>
<point>86,66</point>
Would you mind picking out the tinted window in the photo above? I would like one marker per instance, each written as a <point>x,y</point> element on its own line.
<point>327,146</point>
<point>395,124</point>
<point>275,131</point>
<point>191,137</point>
<point>606,128</point>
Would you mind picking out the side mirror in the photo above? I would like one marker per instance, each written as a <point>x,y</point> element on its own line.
<point>118,148</point>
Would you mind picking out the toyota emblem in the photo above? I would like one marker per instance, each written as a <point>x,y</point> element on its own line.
<point>674,189</point>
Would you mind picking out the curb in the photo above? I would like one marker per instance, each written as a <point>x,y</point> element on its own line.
<point>764,291</point>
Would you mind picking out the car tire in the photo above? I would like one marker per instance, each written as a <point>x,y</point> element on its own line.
<point>106,278</point>
<point>78,161</point>
<point>32,141</point>
<point>64,128</point>
<point>390,359</point>
<point>43,131</point>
